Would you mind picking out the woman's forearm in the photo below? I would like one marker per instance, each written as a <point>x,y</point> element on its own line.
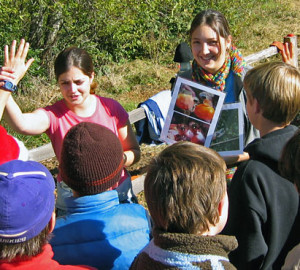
<point>4,95</point>
<point>132,152</point>
<point>33,123</point>
<point>132,156</point>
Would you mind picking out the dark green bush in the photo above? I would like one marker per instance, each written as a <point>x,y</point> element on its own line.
<point>112,31</point>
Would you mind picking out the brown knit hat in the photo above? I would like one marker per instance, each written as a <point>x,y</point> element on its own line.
<point>91,158</point>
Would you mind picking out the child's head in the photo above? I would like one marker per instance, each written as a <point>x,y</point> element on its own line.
<point>91,159</point>
<point>290,160</point>
<point>26,208</point>
<point>276,87</point>
<point>183,53</point>
<point>184,187</point>
<point>11,148</point>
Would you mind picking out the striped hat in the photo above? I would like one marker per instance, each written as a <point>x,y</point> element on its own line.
<point>91,159</point>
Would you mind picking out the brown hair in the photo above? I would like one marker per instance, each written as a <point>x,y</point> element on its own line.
<point>276,87</point>
<point>290,160</point>
<point>30,248</point>
<point>214,19</point>
<point>183,188</point>
<point>76,57</point>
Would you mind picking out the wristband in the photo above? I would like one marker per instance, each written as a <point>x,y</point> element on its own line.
<point>9,86</point>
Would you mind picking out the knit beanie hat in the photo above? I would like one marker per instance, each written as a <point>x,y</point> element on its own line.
<point>9,148</point>
<point>91,159</point>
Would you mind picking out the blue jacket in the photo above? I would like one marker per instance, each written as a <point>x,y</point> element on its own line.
<point>156,108</point>
<point>100,232</point>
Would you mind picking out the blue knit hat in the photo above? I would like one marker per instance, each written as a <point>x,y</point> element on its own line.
<point>26,200</point>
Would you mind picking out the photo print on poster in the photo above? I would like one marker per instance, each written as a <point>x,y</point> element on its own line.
<point>193,113</point>
<point>228,139</point>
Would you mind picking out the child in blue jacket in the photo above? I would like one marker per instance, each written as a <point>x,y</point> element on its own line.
<point>97,230</point>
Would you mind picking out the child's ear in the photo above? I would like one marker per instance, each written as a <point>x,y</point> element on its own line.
<point>223,214</point>
<point>223,206</point>
<point>52,221</point>
<point>220,207</point>
<point>256,106</point>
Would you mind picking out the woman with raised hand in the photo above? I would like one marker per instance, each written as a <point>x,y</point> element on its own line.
<point>74,72</point>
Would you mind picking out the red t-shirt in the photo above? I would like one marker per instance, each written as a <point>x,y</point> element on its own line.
<point>41,261</point>
<point>108,113</point>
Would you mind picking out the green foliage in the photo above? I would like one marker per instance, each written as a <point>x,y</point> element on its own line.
<point>32,141</point>
<point>129,106</point>
<point>29,141</point>
<point>116,30</point>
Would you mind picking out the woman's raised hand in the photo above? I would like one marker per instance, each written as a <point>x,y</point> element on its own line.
<point>15,67</point>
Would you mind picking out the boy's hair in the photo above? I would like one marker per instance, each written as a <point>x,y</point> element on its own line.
<point>183,188</point>
<point>276,87</point>
<point>30,248</point>
<point>290,160</point>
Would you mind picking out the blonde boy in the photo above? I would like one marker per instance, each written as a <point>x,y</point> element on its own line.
<point>263,205</point>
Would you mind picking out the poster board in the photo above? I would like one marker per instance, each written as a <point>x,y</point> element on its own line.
<point>193,113</point>
<point>228,139</point>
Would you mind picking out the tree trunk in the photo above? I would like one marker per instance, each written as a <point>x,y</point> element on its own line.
<point>36,31</point>
<point>54,24</point>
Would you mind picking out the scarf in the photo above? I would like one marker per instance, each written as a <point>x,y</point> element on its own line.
<point>180,260</point>
<point>234,61</point>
